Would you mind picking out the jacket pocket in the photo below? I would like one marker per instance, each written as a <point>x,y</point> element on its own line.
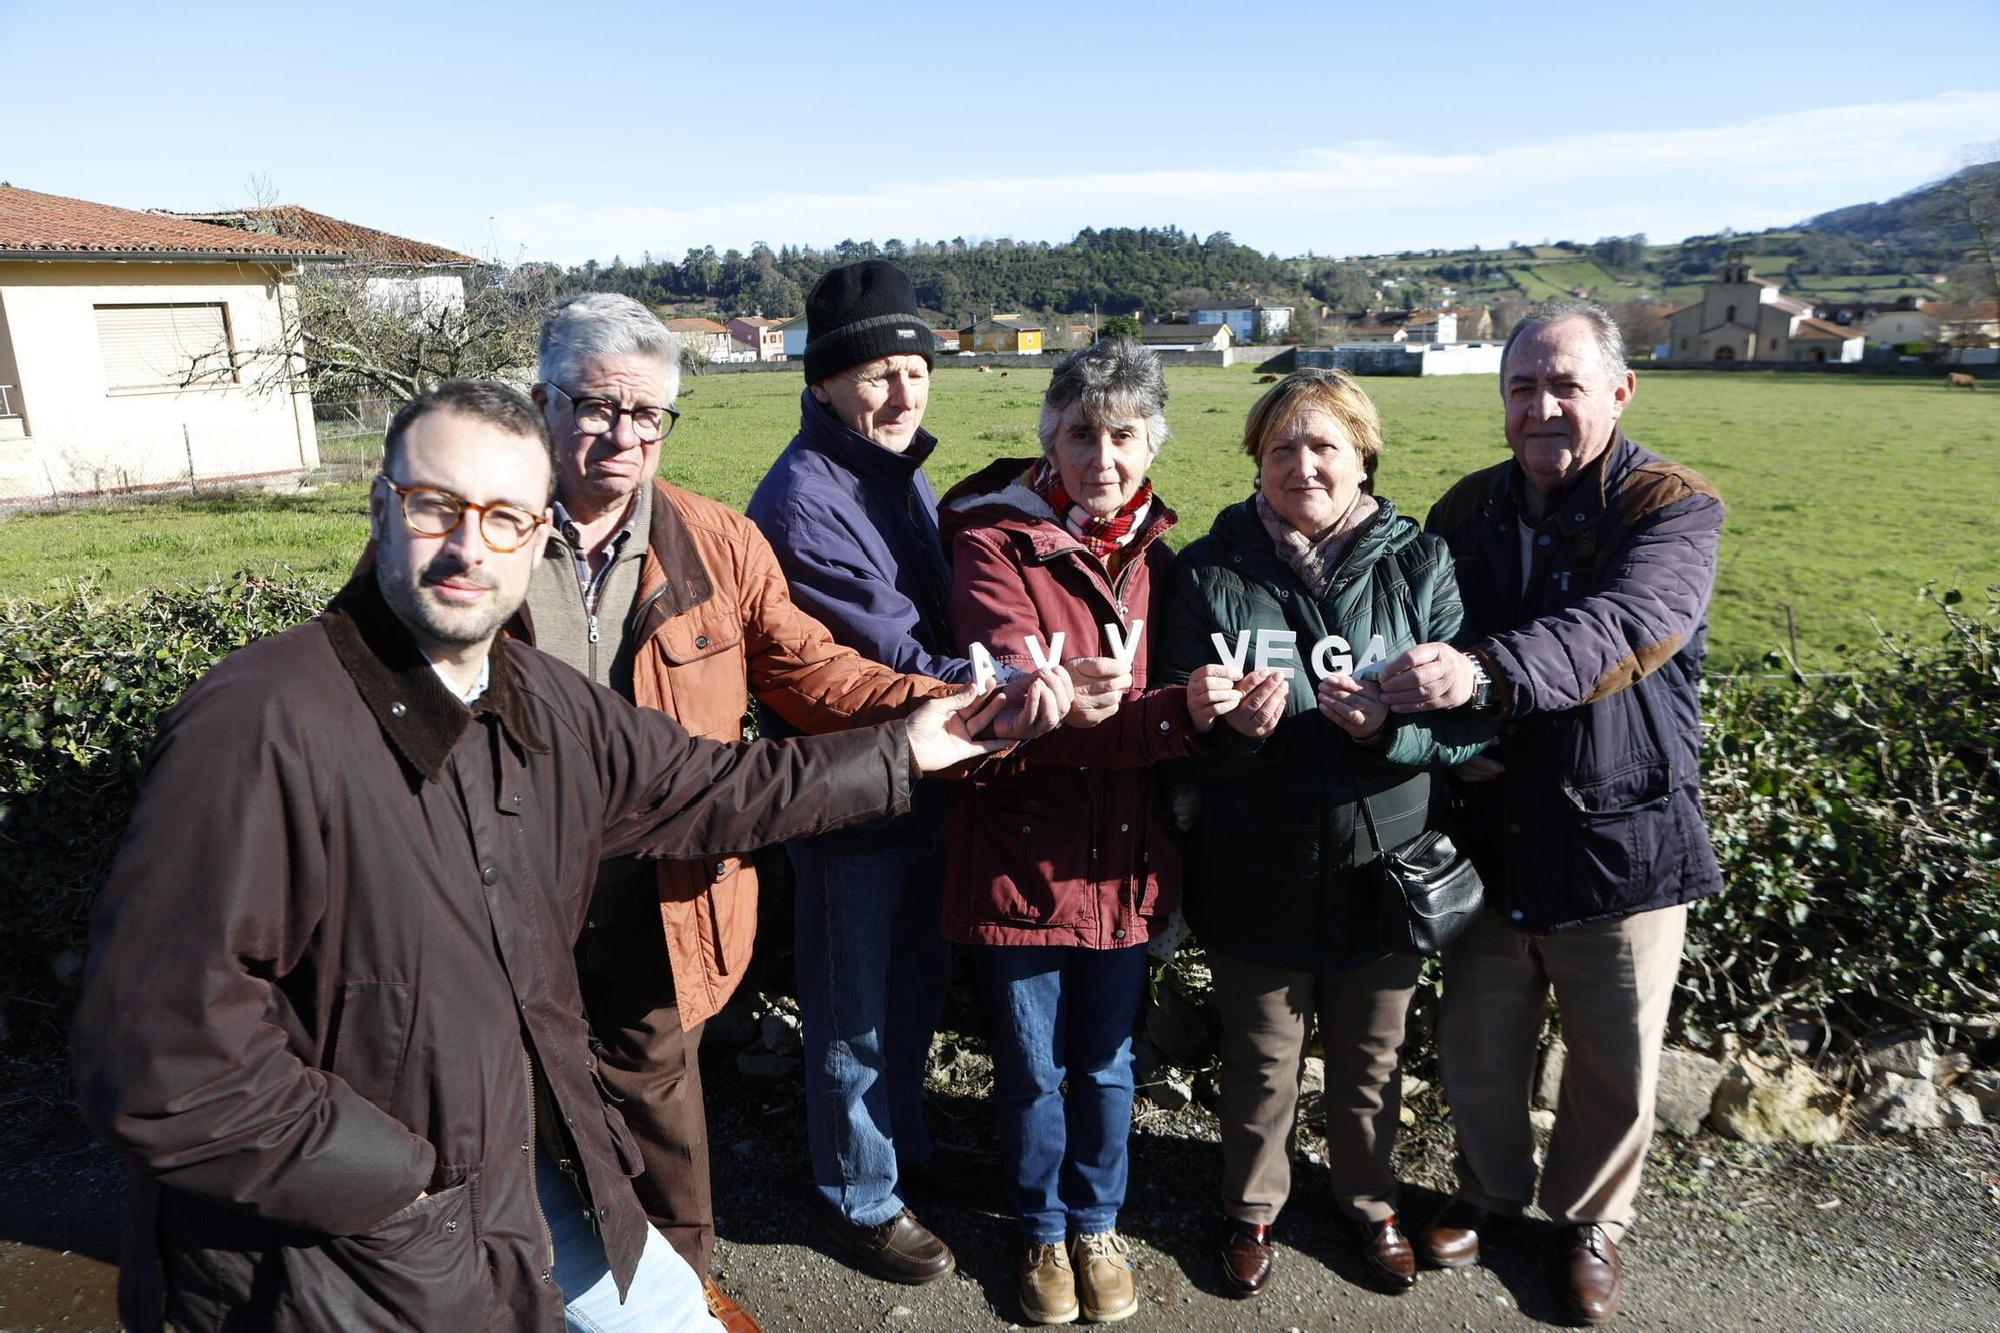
<point>1033,853</point>
<point>1621,826</point>
<point>709,629</point>
<point>371,1038</point>
<point>419,1268</point>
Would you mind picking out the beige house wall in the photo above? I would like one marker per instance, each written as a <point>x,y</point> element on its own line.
<point>78,436</point>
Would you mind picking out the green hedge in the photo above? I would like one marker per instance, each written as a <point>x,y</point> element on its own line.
<point>1855,817</point>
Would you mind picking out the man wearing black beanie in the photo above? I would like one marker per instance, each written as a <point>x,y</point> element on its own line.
<point>853,520</point>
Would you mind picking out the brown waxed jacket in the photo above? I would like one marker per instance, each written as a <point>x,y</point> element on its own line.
<point>333,959</point>
<point>712,619</point>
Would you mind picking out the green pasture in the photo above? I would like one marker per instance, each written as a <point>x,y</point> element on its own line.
<point>1845,493</point>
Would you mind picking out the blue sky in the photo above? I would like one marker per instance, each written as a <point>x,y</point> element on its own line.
<point>552,132</point>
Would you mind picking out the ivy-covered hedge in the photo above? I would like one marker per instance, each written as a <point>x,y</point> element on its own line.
<point>1856,818</point>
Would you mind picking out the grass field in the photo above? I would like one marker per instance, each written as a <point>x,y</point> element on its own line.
<point>1845,494</point>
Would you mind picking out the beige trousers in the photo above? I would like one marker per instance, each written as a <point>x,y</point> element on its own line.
<point>1265,1013</point>
<point>1613,982</point>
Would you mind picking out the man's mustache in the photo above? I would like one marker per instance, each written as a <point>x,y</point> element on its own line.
<point>437,571</point>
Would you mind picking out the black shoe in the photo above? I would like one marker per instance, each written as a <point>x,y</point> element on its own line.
<point>901,1249</point>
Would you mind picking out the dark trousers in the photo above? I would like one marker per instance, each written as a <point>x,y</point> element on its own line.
<point>654,1069</point>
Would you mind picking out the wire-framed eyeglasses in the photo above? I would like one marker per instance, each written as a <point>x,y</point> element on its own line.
<point>433,511</point>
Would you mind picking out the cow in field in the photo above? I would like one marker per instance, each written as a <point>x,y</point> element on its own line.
<point>1960,380</point>
<point>1267,379</point>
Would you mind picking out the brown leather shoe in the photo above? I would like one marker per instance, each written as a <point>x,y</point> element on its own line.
<point>733,1317</point>
<point>1387,1253</point>
<point>901,1249</point>
<point>1048,1285</point>
<point>1246,1257</point>
<point>1589,1274</point>
<point>1452,1238</point>
<point>1104,1283</point>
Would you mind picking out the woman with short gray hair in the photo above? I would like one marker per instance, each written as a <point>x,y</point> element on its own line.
<point>1061,862</point>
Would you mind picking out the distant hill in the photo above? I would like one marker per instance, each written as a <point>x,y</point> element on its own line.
<point>1877,251</point>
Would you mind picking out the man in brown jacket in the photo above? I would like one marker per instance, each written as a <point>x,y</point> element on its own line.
<point>677,603</point>
<point>330,1016</point>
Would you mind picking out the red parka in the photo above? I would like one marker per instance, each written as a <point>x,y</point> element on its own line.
<point>1068,840</point>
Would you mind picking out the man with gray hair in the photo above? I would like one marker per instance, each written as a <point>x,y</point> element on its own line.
<point>676,602</point>
<point>1586,563</point>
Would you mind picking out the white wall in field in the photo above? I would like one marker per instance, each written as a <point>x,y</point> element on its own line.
<point>96,404</point>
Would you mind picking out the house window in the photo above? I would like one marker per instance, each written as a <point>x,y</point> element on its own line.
<point>1684,344</point>
<point>1729,315</point>
<point>1774,344</point>
<point>165,346</point>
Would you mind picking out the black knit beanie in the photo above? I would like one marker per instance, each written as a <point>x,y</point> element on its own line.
<point>859,312</point>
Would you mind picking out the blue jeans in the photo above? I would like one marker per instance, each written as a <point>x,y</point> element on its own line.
<point>665,1296</point>
<point>1062,1013</point>
<point>872,972</point>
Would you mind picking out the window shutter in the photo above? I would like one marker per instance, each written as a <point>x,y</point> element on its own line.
<point>158,346</point>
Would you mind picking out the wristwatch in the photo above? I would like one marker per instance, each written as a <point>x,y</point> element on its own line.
<point>1482,700</point>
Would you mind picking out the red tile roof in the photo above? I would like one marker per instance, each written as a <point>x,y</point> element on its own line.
<point>47,225</point>
<point>693,326</point>
<point>1816,330</point>
<point>348,238</point>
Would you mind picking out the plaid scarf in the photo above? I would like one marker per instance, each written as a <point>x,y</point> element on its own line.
<point>1102,537</point>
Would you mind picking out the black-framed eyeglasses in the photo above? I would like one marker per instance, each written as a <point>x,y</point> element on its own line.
<point>599,416</point>
<point>433,511</point>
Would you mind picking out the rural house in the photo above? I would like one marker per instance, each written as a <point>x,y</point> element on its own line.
<point>1742,317</point>
<point>1002,333</point>
<point>763,338</point>
<point>400,275</point>
<point>706,340</point>
<point>1186,337</point>
<point>1251,320</point>
<point>793,332</point>
<point>134,351</point>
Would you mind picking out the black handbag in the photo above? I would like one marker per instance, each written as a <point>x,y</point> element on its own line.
<point>1426,891</point>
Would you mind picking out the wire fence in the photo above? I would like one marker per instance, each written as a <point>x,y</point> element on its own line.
<point>199,449</point>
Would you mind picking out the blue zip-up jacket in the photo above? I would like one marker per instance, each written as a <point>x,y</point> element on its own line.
<point>855,529</point>
<point>1597,661</point>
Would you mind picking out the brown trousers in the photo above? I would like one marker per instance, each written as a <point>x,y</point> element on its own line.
<point>654,1069</point>
<point>1265,1013</point>
<point>1613,983</point>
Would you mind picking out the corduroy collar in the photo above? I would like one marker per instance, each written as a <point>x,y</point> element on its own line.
<point>422,720</point>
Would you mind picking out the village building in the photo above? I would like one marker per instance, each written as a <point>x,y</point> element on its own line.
<point>1002,333</point>
<point>1187,337</point>
<point>793,334</point>
<point>400,275</point>
<point>1251,320</point>
<point>706,340</point>
<point>140,351</point>
<point>947,339</point>
<point>763,338</point>
<point>1742,317</point>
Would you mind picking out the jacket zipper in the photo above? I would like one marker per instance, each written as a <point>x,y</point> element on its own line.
<point>528,1151</point>
<point>593,644</point>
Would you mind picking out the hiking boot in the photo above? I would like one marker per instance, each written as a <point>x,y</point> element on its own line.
<point>1048,1285</point>
<point>1104,1284</point>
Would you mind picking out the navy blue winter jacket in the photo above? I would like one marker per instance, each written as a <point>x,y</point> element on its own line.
<point>855,529</point>
<point>1597,664</point>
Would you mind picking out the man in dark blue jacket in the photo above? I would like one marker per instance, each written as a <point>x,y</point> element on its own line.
<point>1586,564</point>
<point>853,520</point>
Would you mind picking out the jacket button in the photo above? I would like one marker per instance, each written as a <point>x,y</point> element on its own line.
<point>488,875</point>
<point>603,1212</point>
<point>517,798</point>
<point>1024,828</point>
<point>1118,934</point>
<point>701,641</point>
<point>1166,726</point>
<point>397,709</point>
<point>1124,828</point>
<point>1517,914</point>
<point>721,869</point>
<point>451,1225</point>
<point>1576,518</point>
<point>1542,540</point>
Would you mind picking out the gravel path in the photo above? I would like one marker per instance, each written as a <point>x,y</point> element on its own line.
<point>1872,1234</point>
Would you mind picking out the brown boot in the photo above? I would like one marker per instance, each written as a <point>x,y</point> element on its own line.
<point>1246,1257</point>
<point>1452,1238</point>
<point>1588,1273</point>
<point>1048,1285</point>
<point>1104,1283</point>
<point>1387,1253</point>
<point>733,1317</point>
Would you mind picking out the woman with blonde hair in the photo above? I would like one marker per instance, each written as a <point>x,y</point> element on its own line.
<point>1297,798</point>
